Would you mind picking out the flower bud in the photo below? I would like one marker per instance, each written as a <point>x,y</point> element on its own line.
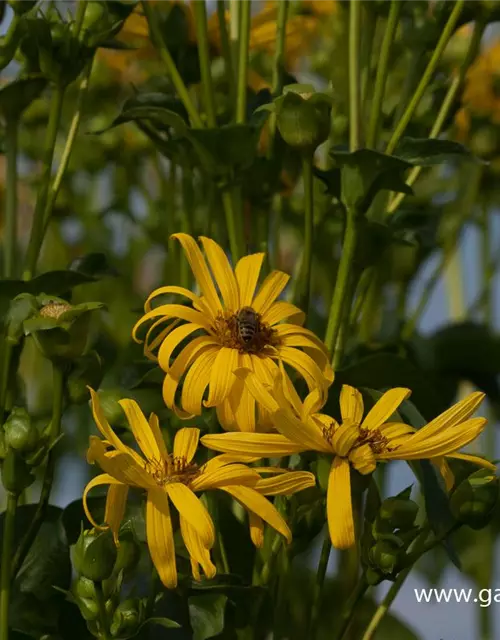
<point>20,432</point>
<point>303,117</point>
<point>83,587</point>
<point>94,555</point>
<point>473,501</point>
<point>373,577</point>
<point>87,372</point>
<point>16,474</point>
<point>128,555</point>
<point>21,308</point>
<point>398,513</point>
<point>127,618</point>
<point>386,556</point>
<point>88,608</point>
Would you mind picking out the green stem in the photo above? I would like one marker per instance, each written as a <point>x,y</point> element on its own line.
<point>158,41</point>
<point>243,52</point>
<point>36,236</point>
<point>103,618</point>
<point>8,348</point>
<point>234,33</point>
<point>448,102</point>
<point>7,549</point>
<point>235,241</point>
<point>339,298</point>
<point>9,42</point>
<point>306,264</point>
<point>269,563</point>
<point>426,77</point>
<point>201,22</point>
<point>226,51</point>
<point>68,148</point>
<point>350,607</point>
<point>187,220</point>
<point>48,476</point>
<point>354,74</point>
<point>318,587</point>
<point>80,16</point>
<point>10,237</point>
<point>279,53</point>
<point>382,72</point>
<point>276,230</point>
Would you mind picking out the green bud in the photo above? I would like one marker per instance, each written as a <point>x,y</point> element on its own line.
<point>83,588</point>
<point>87,371</point>
<point>20,432</point>
<point>373,577</point>
<point>21,308</point>
<point>21,7</point>
<point>103,20</point>
<point>303,117</point>
<point>108,399</point>
<point>3,446</point>
<point>473,501</point>
<point>16,474</point>
<point>60,330</point>
<point>386,556</point>
<point>128,555</point>
<point>94,555</point>
<point>399,514</point>
<point>88,608</point>
<point>127,618</point>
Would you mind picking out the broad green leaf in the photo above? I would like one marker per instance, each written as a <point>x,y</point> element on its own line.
<point>161,622</point>
<point>19,94</point>
<point>206,614</point>
<point>429,151</point>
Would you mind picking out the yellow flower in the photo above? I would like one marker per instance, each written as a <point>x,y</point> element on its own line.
<point>175,478</point>
<point>241,328</point>
<point>356,442</point>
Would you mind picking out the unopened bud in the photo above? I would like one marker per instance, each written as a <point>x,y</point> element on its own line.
<point>128,616</point>
<point>386,556</point>
<point>473,501</point>
<point>399,514</point>
<point>128,555</point>
<point>16,474</point>
<point>20,432</point>
<point>88,608</point>
<point>94,555</point>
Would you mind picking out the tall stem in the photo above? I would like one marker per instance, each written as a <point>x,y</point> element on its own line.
<point>339,298</point>
<point>382,72</point>
<point>187,219</point>
<point>175,76</point>
<point>318,586</point>
<point>354,74</point>
<point>36,236</point>
<point>426,77</point>
<point>233,227</point>
<point>10,241</point>
<point>7,548</point>
<point>279,53</point>
<point>48,476</point>
<point>243,51</point>
<point>200,12</point>
<point>448,102</point>
<point>226,51</point>
<point>306,264</point>
<point>351,604</point>
<point>103,618</point>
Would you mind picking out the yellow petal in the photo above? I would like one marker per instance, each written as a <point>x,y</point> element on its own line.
<point>103,478</point>
<point>223,274</point>
<point>306,434</point>
<point>120,465</point>
<point>305,365</point>
<point>264,445</point>
<point>282,310</point>
<point>445,470</point>
<point>363,459</point>
<point>172,341</point>
<point>155,428</point>
<point>106,430</point>
<point>254,501</point>
<point>344,438</point>
<point>151,345</point>
<point>314,401</point>
<point>271,288</point>
<point>196,381</point>
<point>351,405</point>
<point>199,553</point>
<point>116,501</point>
<point>186,442</point>
<point>160,537</point>
<point>177,311</point>
<point>242,405</point>
<point>442,444</point>
<point>200,271</point>
<point>247,275</point>
<point>190,508</point>
<point>224,475</point>
<point>481,462</point>
<point>161,291</point>
<point>286,483</point>
<point>453,416</point>
<point>256,529</point>
<point>222,377</point>
<point>385,407</point>
<point>339,505</point>
<point>140,428</point>
<point>261,394</point>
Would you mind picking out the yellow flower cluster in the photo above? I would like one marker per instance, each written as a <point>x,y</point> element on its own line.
<point>228,349</point>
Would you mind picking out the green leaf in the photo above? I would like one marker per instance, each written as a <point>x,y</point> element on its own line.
<point>206,614</point>
<point>162,622</point>
<point>17,95</point>
<point>429,151</point>
<point>366,172</point>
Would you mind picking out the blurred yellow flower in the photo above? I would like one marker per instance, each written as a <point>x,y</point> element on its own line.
<point>356,442</point>
<point>243,329</point>
<point>175,478</point>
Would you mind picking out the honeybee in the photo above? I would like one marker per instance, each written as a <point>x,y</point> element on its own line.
<point>247,322</point>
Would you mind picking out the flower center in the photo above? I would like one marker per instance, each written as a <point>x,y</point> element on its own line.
<point>244,330</point>
<point>54,309</point>
<point>173,469</point>
<point>348,436</point>
<point>373,437</point>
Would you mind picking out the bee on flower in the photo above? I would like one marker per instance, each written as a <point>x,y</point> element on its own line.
<point>241,327</point>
